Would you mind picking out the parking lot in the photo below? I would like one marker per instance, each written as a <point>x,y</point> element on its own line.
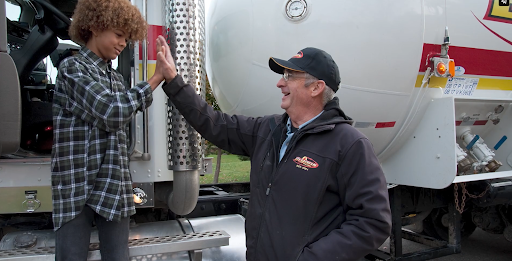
<point>480,246</point>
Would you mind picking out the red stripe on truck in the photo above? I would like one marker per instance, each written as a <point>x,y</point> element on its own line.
<point>475,61</point>
<point>385,125</point>
<point>471,123</point>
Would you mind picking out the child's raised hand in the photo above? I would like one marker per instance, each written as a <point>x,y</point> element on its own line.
<point>165,61</point>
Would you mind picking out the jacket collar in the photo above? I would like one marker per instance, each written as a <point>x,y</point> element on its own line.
<point>332,114</point>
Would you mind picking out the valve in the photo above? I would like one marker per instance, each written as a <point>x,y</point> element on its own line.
<point>493,116</point>
<point>464,162</point>
<point>485,156</point>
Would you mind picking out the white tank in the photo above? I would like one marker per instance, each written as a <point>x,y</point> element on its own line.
<point>381,48</point>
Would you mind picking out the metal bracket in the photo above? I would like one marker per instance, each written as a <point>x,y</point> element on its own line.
<point>196,255</point>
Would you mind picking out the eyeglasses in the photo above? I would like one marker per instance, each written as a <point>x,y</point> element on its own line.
<point>287,75</point>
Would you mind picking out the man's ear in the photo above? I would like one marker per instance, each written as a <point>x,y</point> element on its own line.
<point>318,88</point>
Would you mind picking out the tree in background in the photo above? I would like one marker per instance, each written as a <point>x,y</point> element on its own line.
<point>210,99</point>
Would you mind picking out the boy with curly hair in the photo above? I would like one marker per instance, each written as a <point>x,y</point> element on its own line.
<point>91,182</point>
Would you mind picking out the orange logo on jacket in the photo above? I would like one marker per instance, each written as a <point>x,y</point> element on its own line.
<point>305,163</point>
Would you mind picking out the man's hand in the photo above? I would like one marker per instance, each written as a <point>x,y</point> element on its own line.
<point>164,60</point>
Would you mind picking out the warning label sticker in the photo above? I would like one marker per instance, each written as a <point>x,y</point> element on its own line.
<point>461,86</point>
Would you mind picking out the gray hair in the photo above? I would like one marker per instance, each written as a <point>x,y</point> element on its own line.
<point>328,93</point>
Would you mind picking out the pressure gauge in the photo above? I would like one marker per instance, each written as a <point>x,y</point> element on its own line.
<point>296,9</point>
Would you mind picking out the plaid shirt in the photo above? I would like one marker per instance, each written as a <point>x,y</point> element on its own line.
<point>91,109</point>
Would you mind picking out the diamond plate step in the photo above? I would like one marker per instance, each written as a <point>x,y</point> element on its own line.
<point>138,247</point>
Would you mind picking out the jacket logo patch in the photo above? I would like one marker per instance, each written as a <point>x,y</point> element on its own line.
<point>305,163</point>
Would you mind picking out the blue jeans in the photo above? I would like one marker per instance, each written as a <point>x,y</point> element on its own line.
<point>73,238</point>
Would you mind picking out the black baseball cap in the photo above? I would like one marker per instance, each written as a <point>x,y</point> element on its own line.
<point>313,61</point>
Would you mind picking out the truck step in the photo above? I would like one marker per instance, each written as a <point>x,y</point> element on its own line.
<point>138,247</point>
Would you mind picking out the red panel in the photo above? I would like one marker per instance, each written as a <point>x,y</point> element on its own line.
<point>385,124</point>
<point>480,123</point>
<point>475,61</point>
<point>153,32</point>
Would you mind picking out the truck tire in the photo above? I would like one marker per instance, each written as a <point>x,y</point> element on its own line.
<point>436,224</point>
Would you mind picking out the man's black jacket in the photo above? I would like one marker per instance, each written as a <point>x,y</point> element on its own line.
<point>325,200</point>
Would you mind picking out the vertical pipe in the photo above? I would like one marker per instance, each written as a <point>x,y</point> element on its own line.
<point>133,123</point>
<point>184,24</point>
<point>186,37</point>
<point>145,124</point>
<point>145,153</point>
<point>145,44</point>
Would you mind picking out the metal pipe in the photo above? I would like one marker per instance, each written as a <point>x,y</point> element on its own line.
<point>133,123</point>
<point>145,153</point>
<point>183,198</point>
<point>184,22</point>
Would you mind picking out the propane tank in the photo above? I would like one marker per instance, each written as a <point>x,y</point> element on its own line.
<point>382,49</point>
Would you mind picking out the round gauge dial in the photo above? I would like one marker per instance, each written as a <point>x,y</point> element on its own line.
<point>296,9</point>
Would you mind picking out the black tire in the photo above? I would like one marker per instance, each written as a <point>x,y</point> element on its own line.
<point>433,224</point>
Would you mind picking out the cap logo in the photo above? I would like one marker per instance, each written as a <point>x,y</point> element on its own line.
<point>298,55</point>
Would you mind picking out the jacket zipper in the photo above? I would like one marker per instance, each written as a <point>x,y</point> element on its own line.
<point>272,145</point>
<point>301,251</point>
<point>267,192</point>
<point>310,224</point>
<point>264,158</point>
<point>285,156</point>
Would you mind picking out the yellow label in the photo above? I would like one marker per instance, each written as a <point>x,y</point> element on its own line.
<point>500,11</point>
<point>483,83</point>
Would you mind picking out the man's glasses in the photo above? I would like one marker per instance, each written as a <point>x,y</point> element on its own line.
<point>287,75</point>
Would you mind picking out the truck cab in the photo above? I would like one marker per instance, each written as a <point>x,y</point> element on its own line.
<point>176,219</point>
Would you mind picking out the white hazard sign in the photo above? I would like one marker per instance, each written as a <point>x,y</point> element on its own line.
<point>461,86</point>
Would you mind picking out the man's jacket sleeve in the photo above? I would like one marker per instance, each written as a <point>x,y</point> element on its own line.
<point>234,133</point>
<point>364,195</point>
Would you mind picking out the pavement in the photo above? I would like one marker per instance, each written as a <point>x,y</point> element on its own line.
<point>480,246</point>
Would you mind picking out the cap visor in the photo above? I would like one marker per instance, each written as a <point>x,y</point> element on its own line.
<point>278,65</point>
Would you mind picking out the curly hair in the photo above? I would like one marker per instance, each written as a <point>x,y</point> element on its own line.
<point>102,15</point>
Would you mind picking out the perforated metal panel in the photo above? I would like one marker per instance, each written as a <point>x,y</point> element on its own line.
<point>145,249</point>
<point>185,29</point>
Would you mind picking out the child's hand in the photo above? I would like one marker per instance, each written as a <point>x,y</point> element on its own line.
<point>164,60</point>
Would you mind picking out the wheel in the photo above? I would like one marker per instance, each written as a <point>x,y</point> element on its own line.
<point>436,224</point>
